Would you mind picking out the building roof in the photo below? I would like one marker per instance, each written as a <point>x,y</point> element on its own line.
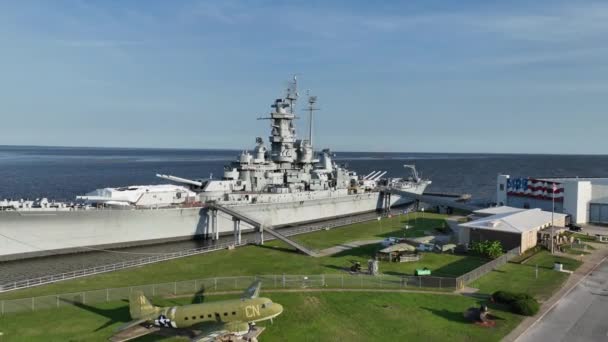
<point>575,179</point>
<point>515,222</point>
<point>399,247</point>
<point>498,210</point>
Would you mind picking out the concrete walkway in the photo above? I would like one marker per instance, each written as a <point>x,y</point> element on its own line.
<point>453,223</point>
<point>590,263</point>
<point>579,316</point>
<point>346,246</point>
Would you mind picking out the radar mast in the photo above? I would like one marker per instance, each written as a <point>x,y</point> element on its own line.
<point>311,108</point>
<point>292,93</point>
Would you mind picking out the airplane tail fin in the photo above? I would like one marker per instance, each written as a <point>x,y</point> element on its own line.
<point>140,306</point>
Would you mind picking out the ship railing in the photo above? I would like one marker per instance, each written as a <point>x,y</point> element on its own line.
<point>312,227</point>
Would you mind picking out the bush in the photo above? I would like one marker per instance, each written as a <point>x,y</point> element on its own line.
<point>519,303</point>
<point>506,297</point>
<point>526,307</point>
<point>489,249</point>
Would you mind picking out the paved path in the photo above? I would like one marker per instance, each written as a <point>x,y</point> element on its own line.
<point>346,246</point>
<point>453,223</point>
<point>579,316</point>
<point>572,313</point>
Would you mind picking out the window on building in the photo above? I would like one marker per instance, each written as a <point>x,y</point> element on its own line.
<point>185,318</point>
<point>209,316</point>
<point>233,313</point>
<point>193,318</point>
<point>225,314</point>
<point>202,316</point>
<point>502,187</point>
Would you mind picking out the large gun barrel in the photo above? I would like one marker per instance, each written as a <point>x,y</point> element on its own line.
<point>378,176</point>
<point>180,180</point>
<point>371,173</point>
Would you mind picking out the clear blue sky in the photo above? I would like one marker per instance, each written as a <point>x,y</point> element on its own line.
<point>420,76</point>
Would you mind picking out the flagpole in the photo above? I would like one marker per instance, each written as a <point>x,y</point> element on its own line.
<point>552,211</point>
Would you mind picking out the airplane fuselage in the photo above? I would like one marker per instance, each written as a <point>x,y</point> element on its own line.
<point>227,311</point>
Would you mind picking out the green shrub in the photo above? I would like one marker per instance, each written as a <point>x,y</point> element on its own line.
<point>489,249</point>
<point>526,307</point>
<point>506,297</point>
<point>519,302</point>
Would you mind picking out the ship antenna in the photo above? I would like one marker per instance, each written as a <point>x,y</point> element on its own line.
<point>311,108</point>
<point>292,93</point>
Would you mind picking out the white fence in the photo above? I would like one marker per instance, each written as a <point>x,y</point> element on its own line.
<point>223,284</point>
<point>485,268</point>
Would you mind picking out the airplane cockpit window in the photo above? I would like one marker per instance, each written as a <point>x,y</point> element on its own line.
<point>266,305</point>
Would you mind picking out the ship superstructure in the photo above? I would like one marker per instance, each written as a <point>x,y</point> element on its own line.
<point>283,183</point>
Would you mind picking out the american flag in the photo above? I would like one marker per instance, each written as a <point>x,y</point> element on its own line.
<point>536,188</point>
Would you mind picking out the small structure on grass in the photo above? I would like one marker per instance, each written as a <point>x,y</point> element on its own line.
<point>355,267</point>
<point>401,252</point>
<point>480,316</point>
<point>372,267</point>
<point>601,238</point>
<point>423,272</point>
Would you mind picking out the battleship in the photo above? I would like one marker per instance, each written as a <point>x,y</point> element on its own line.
<point>284,183</point>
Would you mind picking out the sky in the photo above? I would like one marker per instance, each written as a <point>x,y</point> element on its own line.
<point>394,76</point>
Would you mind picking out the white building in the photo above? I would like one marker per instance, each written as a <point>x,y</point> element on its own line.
<point>584,199</point>
<point>513,227</point>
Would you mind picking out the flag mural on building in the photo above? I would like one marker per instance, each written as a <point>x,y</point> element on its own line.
<point>535,188</point>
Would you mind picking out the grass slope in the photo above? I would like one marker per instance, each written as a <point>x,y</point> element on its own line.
<point>273,258</point>
<point>312,316</point>
<point>371,230</point>
<point>522,277</point>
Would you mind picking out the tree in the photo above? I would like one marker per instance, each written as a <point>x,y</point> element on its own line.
<point>489,249</point>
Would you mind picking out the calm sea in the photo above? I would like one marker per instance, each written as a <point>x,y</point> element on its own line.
<point>63,173</point>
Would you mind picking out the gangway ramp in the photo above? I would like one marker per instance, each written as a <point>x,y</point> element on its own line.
<point>239,216</point>
<point>235,214</point>
<point>436,200</point>
<point>290,242</point>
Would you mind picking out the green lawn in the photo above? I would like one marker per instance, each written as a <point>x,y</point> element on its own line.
<point>314,316</point>
<point>522,277</point>
<point>577,251</point>
<point>586,238</point>
<point>273,258</point>
<point>371,230</point>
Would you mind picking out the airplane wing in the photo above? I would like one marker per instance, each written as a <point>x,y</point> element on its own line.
<point>133,330</point>
<point>253,290</point>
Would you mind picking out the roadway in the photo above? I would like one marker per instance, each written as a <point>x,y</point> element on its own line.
<point>578,316</point>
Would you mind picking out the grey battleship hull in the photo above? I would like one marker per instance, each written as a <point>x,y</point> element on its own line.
<point>33,234</point>
<point>276,185</point>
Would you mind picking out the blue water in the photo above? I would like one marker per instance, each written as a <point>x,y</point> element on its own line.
<point>64,172</point>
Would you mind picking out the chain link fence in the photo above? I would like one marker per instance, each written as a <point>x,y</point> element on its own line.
<point>475,274</point>
<point>223,284</point>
